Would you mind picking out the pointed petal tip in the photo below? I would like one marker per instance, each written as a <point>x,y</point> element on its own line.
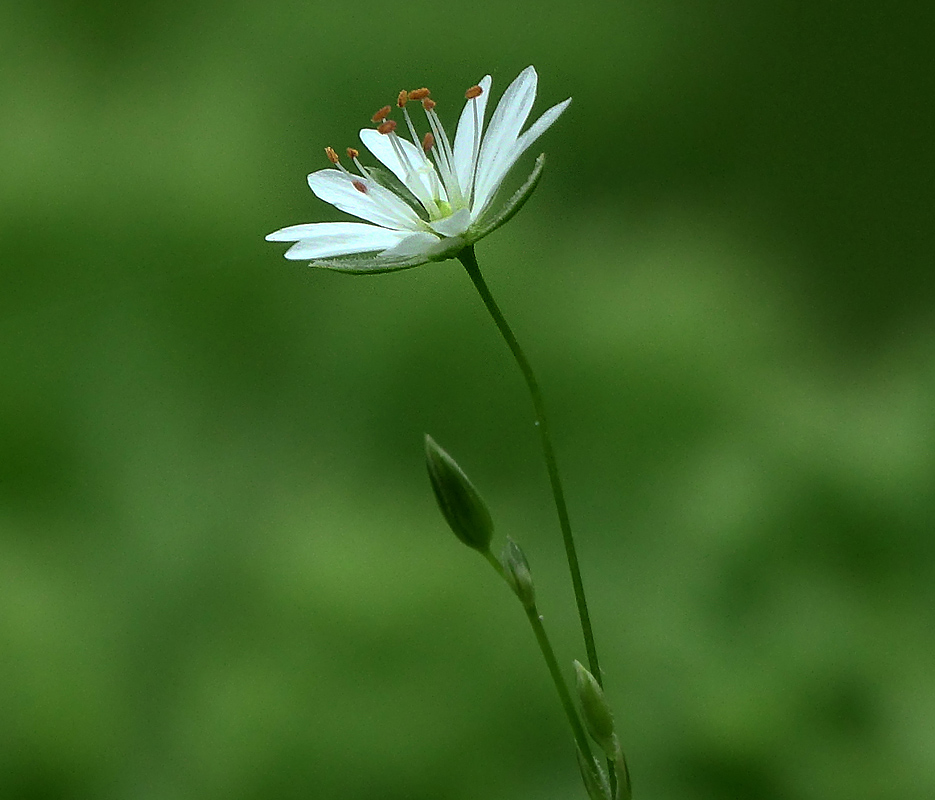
<point>282,235</point>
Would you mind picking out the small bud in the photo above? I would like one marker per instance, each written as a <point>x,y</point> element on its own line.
<point>595,781</point>
<point>518,574</point>
<point>596,712</point>
<point>419,94</point>
<point>381,115</point>
<point>386,127</point>
<point>474,91</point>
<point>461,505</point>
<point>403,97</point>
<point>332,156</point>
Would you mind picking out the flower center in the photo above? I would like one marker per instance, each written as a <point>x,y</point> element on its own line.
<point>430,165</point>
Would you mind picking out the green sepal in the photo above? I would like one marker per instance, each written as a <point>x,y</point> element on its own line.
<point>461,504</point>
<point>518,575</point>
<point>368,263</point>
<point>509,209</point>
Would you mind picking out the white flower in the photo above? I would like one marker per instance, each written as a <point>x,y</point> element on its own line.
<point>437,197</point>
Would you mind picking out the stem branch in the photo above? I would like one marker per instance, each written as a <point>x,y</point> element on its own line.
<point>545,646</point>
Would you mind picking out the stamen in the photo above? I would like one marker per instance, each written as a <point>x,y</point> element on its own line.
<point>403,97</point>
<point>412,128</point>
<point>360,187</point>
<point>474,91</point>
<point>381,115</point>
<point>415,184</point>
<point>386,127</point>
<point>352,154</point>
<point>433,179</point>
<point>475,154</point>
<point>428,142</point>
<point>419,94</point>
<point>443,154</point>
<point>333,158</point>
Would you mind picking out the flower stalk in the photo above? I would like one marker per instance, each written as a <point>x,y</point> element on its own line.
<point>469,260</point>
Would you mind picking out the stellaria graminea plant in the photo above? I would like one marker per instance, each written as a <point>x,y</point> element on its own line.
<point>434,201</point>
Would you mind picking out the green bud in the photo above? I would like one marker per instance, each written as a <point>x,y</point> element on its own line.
<point>461,505</point>
<point>518,574</point>
<point>596,712</point>
<point>595,781</point>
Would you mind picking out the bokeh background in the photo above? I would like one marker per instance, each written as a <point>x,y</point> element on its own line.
<point>222,572</point>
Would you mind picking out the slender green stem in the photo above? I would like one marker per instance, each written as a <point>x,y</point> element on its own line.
<point>545,646</point>
<point>469,260</point>
<point>549,655</point>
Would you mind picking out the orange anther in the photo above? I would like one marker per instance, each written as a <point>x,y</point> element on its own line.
<point>419,94</point>
<point>428,142</point>
<point>381,115</point>
<point>332,156</point>
<point>352,153</point>
<point>360,187</point>
<point>428,104</point>
<point>403,97</point>
<point>387,127</point>
<point>474,91</point>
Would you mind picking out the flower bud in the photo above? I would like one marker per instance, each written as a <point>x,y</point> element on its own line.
<point>596,712</point>
<point>461,505</point>
<point>518,574</point>
<point>595,781</point>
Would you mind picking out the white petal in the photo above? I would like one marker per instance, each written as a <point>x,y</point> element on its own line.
<point>326,239</point>
<point>540,126</point>
<point>293,233</point>
<point>487,185</point>
<point>454,225</point>
<point>414,244</point>
<point>376,204</point>
<point>464,137</point>
<point>507,121</point>
<point>420,182</point>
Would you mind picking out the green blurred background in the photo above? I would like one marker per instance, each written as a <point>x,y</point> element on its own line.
<point>222,572</point>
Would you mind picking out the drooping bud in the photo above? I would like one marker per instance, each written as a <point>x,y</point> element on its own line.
<point>474,91</point>
<point>403,97</point>
<point>332,156</point>
<point>386,127</point>
<point>596,712</point>
<point>381,115</point>
<point>428,104</point>
<point>352,153</point>
<point>461,504</point>
<point>428,141</point>
<point>419,94</point>
<point>518,574</point>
